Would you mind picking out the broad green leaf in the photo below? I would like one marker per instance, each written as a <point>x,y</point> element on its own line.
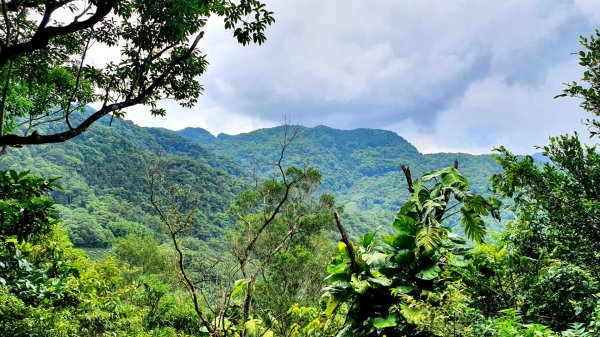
<point>375,259</point>
<point>405,223</point>
<point>384,281</point>
<point>332,305</point>
<point>431,175</point>
<point>360,286</point>
<point>385,322</point>
<point>251,327</point>
<point>403,240</point>
<point>337,267</point>
<point>337,277</point>
<point>458,261</point>
<point>403,258</point>
<point>451,177</point>
<point>430,238</point>
<point>368,238</point>
<point>429,273</point>
<point>402,290</point>
<point>238,286</point>
<point>474,225</point>
<point>388,239</point>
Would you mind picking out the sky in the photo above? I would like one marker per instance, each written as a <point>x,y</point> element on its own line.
<point>448,76</point>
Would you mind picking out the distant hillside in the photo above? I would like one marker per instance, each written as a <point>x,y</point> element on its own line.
<point>360,167</point>
<point>106,185</point>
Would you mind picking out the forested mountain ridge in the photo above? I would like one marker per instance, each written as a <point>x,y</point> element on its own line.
<point>360,167</point>
<point>104,172</point>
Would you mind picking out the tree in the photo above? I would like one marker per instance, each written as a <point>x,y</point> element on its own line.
<point>385,285</point>
<point>46,76</point>
<point>243,290</point>
<point>589,89</point>
<point>553,241</point>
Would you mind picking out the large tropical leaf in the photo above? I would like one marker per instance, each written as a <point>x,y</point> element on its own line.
<point>406,222</point>
<point>451,177</point>
<point>473,223</point>
<point>430,238</point>
<point>385,322</point>
<point>429,273</point>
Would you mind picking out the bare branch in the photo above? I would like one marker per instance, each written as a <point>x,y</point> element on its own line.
<point>408,176</point>
<point>346,240</point>
<point>155,185</point>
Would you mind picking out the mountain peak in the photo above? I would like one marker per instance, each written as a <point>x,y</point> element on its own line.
<point>198,135</point>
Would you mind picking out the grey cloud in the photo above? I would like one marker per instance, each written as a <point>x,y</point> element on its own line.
<point>401,64</point>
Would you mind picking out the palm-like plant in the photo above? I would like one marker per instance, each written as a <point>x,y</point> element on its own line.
<point>371,279</point>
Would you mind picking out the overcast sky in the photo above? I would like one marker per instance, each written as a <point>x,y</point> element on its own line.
<point>447,75</point>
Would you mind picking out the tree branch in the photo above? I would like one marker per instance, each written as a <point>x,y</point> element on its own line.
<point>346,240</point>
<point>44,34</point>
<point>408,176</point>
<point>36,138</point>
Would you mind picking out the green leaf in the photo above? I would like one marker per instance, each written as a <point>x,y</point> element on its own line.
<point>359,286</point>
<point>368,238</point>
<point>388,239</point>
<point>430,238</point>
<point>403,241</point>
<point>342,248</point>
<point>251,327</point>
<point>431,175</point>
<point>238,286</point>
<point>338,280</point>
<point>429,273</point>
<point>474,225</point>
<point>332,305</point>
<point>406,223</point>
<point>375,259</point>
<point>384,281</point>
<point>402,290</point>
<point>458,261</point>
<point>451,177</point>
<point>403,258</point>
<point>337,266</point>
<point>381,323</point>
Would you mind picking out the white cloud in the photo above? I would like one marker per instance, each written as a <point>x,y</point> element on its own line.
<point>493,112</point>
<point>402,65</point>
<point>205,115</point>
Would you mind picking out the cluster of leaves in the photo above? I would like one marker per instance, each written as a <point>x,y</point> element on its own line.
<point>379,280</point>
<point>48,288</point>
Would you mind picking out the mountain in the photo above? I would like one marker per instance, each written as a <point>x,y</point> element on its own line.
<point>539,158</point>
<point>360,167</point>
<point>105,179</point>
<point>106,183</point>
